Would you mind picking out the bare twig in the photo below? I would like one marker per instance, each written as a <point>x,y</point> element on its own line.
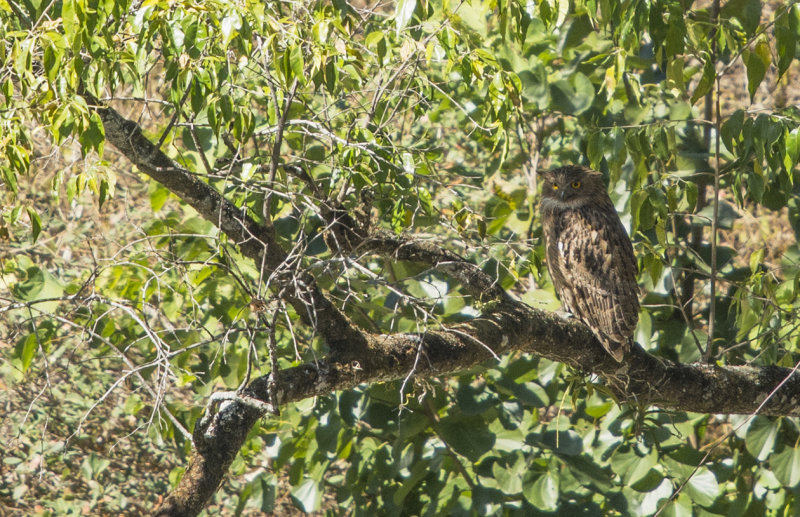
<point>714,94</point>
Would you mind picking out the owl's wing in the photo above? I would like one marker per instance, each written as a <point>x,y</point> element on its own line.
<point>595,259</point>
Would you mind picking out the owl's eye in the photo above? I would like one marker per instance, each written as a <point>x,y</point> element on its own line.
<point>576,184</point>
<point>555,186</point>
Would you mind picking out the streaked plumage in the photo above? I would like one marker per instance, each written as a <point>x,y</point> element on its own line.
<point>590,256</point>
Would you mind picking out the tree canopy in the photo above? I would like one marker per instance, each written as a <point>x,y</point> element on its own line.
<point>263,256</point>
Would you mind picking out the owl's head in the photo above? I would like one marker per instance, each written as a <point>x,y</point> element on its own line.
<point>572,185</point>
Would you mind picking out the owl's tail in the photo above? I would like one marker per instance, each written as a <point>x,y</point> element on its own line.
<point>617,349</point>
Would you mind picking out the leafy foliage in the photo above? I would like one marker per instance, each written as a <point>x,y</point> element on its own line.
<point>442,113</point>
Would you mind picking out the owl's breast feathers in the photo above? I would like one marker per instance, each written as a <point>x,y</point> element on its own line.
<point>594,271</point>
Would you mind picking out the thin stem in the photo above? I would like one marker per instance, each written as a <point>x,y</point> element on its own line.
<point>174,118</point>
<point>199,147</point>
<point>681,306</point>
<point>280,116</point>
<point>712,309</point>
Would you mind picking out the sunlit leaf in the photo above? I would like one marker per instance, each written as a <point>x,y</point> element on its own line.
<point>706,81</point>
<point>543,493</point>
<point>404,11</point>
<point>793,145</point>
<point>703,487</point>
<point>757,61</point>
<point>230,26</point>
<point>26,351</point>
<point>761,436</point>
<point>786,466</point>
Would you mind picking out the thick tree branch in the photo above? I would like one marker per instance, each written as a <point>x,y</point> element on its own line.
<point>509,325</point>
<point>643,379</point>
<point>255,241</point>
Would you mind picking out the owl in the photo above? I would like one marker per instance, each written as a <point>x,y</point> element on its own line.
<point>590,256</point>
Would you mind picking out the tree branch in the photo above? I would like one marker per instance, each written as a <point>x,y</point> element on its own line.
<point>480,285</point>
<point>510,326</point>
<point>643,378</point>
<point>255,241</point>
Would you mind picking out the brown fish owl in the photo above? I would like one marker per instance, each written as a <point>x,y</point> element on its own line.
<point>590,256</point>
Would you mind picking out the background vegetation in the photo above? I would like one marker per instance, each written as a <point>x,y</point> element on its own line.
<point>123,310</point>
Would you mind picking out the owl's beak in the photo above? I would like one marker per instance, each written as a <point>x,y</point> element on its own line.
<point>562,194</point>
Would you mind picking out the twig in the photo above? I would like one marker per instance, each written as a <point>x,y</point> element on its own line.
<point>712,310</point>
<point>680,304</point>
<point>196,142</point>
<point>174,118</point>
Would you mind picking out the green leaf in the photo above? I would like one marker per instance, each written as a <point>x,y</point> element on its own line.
<point>198,97</point>
<point>632,466</point>
<point>403,13</point>
<point>31,286</point>
<point>331,73</point>
<point>25,351</point>
<point>676,32</point>
<point>69,20</point>
<point>756,61</point>
<point>475,401</point>
<point>691,195</point>
<point>706,80</point>
<point>36,223</point>
<point>675,72</point>
<point>588,472</point>
<point>567,442</point>
<point>177,36</point>
<point>543,493</point>
<point>51,62</point>
<point>297,64</point>
<point>732,129</point>
<point>230,26</point>
<point>419,470</point>
<point>599,410</point>
<point>638,199</point>
<point>572,97</point>
<point>747,12</point>
<point>373,38</point>
<point>94,136</point>
<point>786,466</point>
<point>158,196</point>
<point>467,436</point>
<point>7,88</point>
<point>509,479</point>
<point>784,293</point>
<point>534,84</point>
<point>595,147</point>
<point>308,495</point>
<point>786,39</point>
<point>793,145</point>
<point>760,437</point>
<point>10,178</point>
<point>703,487</point>
<point>104,191</point>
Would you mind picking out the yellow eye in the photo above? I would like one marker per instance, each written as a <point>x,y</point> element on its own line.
<point>555,187</point>
<point>576,184</point>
